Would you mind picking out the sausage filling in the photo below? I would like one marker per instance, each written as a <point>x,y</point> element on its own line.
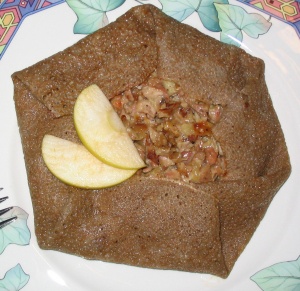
<point>174,138</point>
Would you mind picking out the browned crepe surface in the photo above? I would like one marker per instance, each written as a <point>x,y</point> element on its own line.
<point>143,221</point>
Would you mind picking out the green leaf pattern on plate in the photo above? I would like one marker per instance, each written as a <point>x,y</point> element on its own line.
<point>16,232</point>
<point>15,279</point>
<point>91,14</point>
<point>234,19</point>
<point>219,16</point>
<point>281,276</point>
<point>216,16</point>
<point>209,15</point>
<point>181,9</point>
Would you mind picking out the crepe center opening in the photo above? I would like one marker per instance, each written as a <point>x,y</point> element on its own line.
<point>174,138</point>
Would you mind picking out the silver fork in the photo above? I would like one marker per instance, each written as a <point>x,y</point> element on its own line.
<point>3,211</point>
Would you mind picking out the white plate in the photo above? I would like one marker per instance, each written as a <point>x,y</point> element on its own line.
<point>276,240</point>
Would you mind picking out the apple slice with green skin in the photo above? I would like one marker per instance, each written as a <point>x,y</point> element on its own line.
<point>102,132</point>
<point>74,165</point>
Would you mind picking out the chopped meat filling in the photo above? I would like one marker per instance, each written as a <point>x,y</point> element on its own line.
<point>174,138</point>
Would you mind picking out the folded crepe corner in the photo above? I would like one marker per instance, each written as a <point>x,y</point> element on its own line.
<point>146,222</point>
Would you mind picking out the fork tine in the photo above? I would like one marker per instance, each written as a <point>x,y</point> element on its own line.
<point>7,221</point>
<point>3,198</point>
<point>2,211</point>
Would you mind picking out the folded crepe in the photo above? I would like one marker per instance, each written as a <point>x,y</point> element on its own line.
<point>146,221</point>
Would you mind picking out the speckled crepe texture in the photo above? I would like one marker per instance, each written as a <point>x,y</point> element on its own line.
<point>147,222</point>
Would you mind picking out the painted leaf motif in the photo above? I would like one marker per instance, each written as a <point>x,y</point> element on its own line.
<point>234,19</point>
<point>209,15</point>
<point>16,232</point>
<point>179,9</point>
<point>91,14</point>
<point>15,279</point>
<point>282,276</point>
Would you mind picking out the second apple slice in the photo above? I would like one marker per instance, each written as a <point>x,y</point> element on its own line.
<point>74,165</point>
<point>102,132</point>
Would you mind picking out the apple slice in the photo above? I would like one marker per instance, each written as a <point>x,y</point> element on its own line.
<point>73,164</point>
<point>102,132</point>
